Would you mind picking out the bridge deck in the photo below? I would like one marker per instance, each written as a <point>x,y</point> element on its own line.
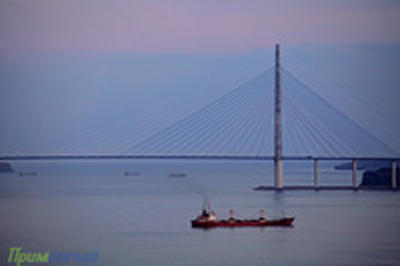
<point>333,187</point>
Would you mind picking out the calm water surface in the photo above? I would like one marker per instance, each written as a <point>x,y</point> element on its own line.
<point>145,219</point>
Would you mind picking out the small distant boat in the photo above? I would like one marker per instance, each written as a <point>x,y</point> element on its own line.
<point>207,220</point>
<point>27,173</point>
<point>5,168</point>
<point>129,173</point>
<point>177,175</point>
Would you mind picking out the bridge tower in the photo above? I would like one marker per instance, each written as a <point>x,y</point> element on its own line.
<point>278,124</point>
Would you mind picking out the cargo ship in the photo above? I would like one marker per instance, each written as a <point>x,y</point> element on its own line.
<point>207,220</point>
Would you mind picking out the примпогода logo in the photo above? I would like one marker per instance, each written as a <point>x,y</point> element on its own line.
<point>18,256</point>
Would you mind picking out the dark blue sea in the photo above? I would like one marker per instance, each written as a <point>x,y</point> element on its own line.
<point>144,218</point>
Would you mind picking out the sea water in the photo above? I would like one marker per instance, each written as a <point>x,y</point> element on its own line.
<point>144,219</point>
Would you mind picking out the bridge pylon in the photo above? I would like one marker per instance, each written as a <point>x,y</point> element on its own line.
<point>278,167</point>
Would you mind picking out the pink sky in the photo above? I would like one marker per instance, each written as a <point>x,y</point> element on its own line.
<point>191,26</point>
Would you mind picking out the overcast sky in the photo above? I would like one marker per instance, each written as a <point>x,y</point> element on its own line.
<point>191,26</point>
<point>75,65</point>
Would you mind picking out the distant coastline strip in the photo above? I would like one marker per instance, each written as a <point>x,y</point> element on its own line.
<point>184,157</point>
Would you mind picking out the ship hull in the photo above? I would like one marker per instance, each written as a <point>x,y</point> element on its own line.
<point>243,223</point>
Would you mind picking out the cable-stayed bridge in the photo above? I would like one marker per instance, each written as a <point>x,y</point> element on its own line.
<point>274,116</point>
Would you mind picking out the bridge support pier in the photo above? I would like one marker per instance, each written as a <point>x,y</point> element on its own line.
<point>316,174</point>
<point>355,186</point>
<point>394,175</point>
<point>278,174</point>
